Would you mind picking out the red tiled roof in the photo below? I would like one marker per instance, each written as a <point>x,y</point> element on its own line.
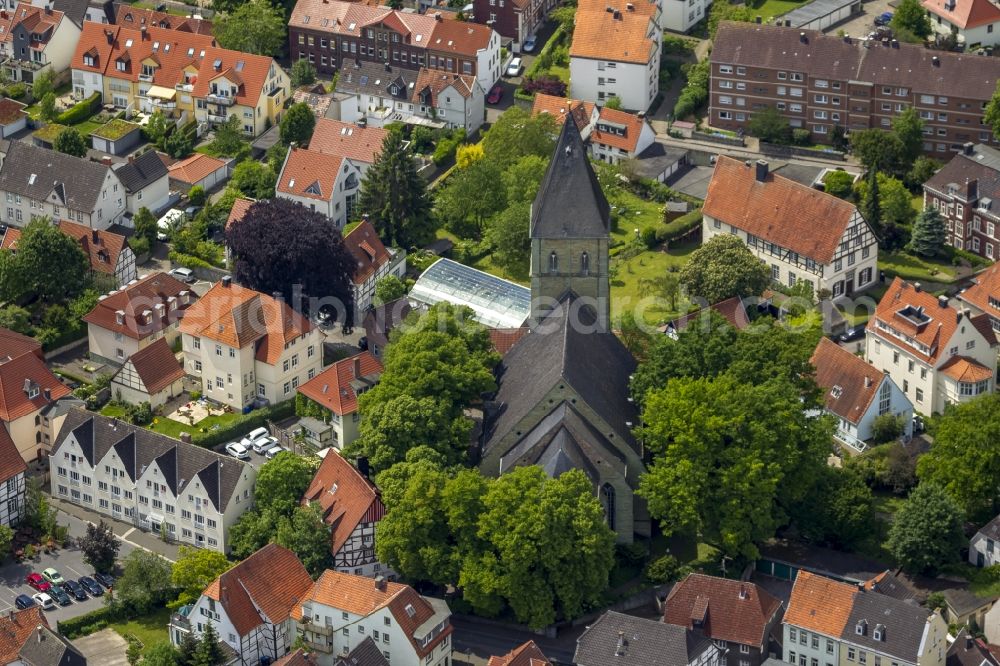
<point>102,247</point>
<point>779,210</point>
<point>15,628</point>
<point>272,579</point>
<point>346,497</point>
<point>239,209</point>
<point>437,81</point>
<point>850,384</point>
<point>332,387</point>
<point>35,20</point>
<point>460,37</point>
<point>559,107</point>
<point>966,14</point>
<point>15,376</point>
<point>633,128</point>
<point>136,300</point>
<point>195,168</point>
<point>11,111</point>
<point>309,174</point>
<point>366,247</point>
<point>737,611</point>
<point>599,35</point>
<point>333,137</point>
<point>966,370</point>
<point>985,285</point>
<point>731,308</point>
<point>14,344</point>
<point>237,316</point>
<point>157,366</point>
<point>526,654</point>
<point>131,15</point>
<point>296,658</point>
<point>820,604</point>
<point>11,462</point>
<point>503,339</point>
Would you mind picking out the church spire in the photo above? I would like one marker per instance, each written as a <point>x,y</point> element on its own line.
<point>570,203</point>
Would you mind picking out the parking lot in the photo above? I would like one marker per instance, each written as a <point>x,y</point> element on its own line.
<point>864,23</point>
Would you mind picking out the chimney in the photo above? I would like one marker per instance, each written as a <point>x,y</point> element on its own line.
<point>95,238</point>
<point>38,630</point>
<point>186,437</point>
<point>131,158</point>
<point>438,17</point>
<point>917,287</point>
<point>48,10</point>
<point>357,367</point>
<point>936,61</point>
<point>629,6</point>
<point>48,394</point>
<point>363,468</point>
<point>620,648</point>
<point>968,641</point>
<point>758,19</point>
<point>617,15</point>
<point>968,148</point>
<point>110,36</point>
<point>943,301</point>
<point>971,189</point>
<point>868,382</point>
<point>388,67</point>
<point>861,587</point>
<point>226,281</point>
<point>802,37</point>
<point>276,295</point>
<point>788,23</point>
<point>761,174</point>
<point>895,43</point>
<point>106,160</point>
<point>380,583</point>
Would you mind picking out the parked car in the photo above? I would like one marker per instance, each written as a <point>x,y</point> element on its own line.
<point>168,224</point>
<point>265,443</point>
<point>91,586</point>
<point>253,436</point>
<point>496,94</point>
<point>44,600</point>
<point>75,590</point>
<point>191,211</point>
<point>36,581</point>
<point>529,44</point>
<point>53,576</point>
<point>185,275</point>
<point>275,450</point>
<point>883,18</point>
<point>514,68</point>
<point>853,333</point>
<point>23,601</point>
<point>60,595</point>
<point>104,579</point>
<point>238,451</point>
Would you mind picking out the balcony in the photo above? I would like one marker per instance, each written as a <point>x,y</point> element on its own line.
<point>221,100</point>
<point>318,647</point>
<point>318,629</point>
<point>163,103</point>
<point>184,87</point>
<point>146,77</point>
<point>215,118</point>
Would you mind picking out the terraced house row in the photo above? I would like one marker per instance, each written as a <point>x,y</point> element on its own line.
<point>183,74</point>
<point>822,82</point>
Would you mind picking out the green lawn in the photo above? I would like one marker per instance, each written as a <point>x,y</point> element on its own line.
<point>170,10</point>
<point>629,286</point>
<point>170,427</point>
<point>150,629</point>
<point>910,267</point>
<point>771,8</point>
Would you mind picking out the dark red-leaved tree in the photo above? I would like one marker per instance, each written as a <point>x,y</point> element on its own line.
<point>280,245</point>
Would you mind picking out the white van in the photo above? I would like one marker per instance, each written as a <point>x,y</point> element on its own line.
<point>166,224</point>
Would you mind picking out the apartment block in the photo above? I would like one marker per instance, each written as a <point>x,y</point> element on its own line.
<point>820,82</point>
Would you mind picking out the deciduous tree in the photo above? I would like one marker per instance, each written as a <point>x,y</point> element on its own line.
<point>145,582</point>
<point>256,26</point>
<point>71,142</point>
<point>303,73</point>
<point>253,180</point>
<point>910,17</point>
<point>508,235</point>
<point>722,268</point>
<point>308,536</point>
<point>52,265</point>
<point>282,481</point>
<point>100,547</point>
<point>877,150</point>
<point>837,511</point>
<point>229,140</point>
<point>769,125</point>
<point>298,124</point>
<point>389,289</point>
<point>926,532</point>
<point>194,569</point>
<point>471,196</point>
<point>162,653</point>
<point>395,196</point>
<point>839,184</point>
<point>301,251</point>
<point>47,107</point>
<point>517,133</point>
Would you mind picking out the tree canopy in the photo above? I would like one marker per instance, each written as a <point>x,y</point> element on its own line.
<point>48,265</point>
<point>100,547</point>
<point>517,134</point>
<point>837,511</point>
<point>929,234</point>
<point>255,26</point>
<point>71,142</point>
<point>911,21</point>
<point>145,582</point>
<point>194,569</point>
<point>301,251</point>
<point>303,73</point>
<point>395,197</point>
<point>298,124</point>
<point>724,267</point>
<point>926,532</point>
<point>282,481</point>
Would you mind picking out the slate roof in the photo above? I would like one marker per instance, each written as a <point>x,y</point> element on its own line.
<point>891,585</point>
<point>967,650</point>
<point>778,210</point>
<point>982,166</point>
<point>367,653</point>
<point>735,611</point>
<point>137,447</point>
<point>15,628</point>
<point>266,585</point>
<point>570,202</point>
<point>372,78</point>
<point>848,381</point>
<point>831,57</point>
<point>11,462</point>
<point>45,647</point>
<point>74,10</point>
<point>51,176</point>
<point>644,643</point>
<point>963,602</point>
<point>141,172</point>
<point>903,623</point>
<point>991,530</point>
<point>156,366</point>
<point>594,363</point>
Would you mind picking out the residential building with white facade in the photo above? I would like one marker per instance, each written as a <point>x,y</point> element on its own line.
<point>34,40</point>
<point>682,15</point>
<point>249,606</point>
<point>132,318</point>
<point>779,220</point>
<point>973,21</point>
<point>373,262</point>
<point>158,484</point>
<point>337,389</point>
<point>12,489</point>
<point>984,295</point>
<point>829,622</point>
<point>358,145</point>
<point>146,182</point>
<point>37,182</point>
<point>152,374</point>
<point>938,354</point>
<point>616,53</point>
<point>341,610</point>
<point>856,393</point>
<point>247,348</point>
<point>984,546</point>
<point>324,183</point>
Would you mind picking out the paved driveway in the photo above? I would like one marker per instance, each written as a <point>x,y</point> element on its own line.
<point>860,25</point>
<point>105,647</point>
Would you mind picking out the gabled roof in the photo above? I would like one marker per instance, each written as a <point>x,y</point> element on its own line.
<point>309,174</point>
<point>45,647</point>
<point>559,107</point>
<point>237,316</point>
<point>778,210</point>
<point>734,611</point>
<point>11,462</point>
<point>820,604</point>
<point>19,377</point>
<point>16,628</point>
<point>299,657</point>
<point>504,339</point>
<point>35,20</point>
<point>436,82</point>
<point>369,253</point>
<point>981,169</point>
<point>891,585</point>
<point>102,247</point>
<point>334,137</point>
<point>195,168</point>
<point>264,587</point>
<point>848,381</point>
<point>138,301</point>
<point>618,129</point>
<point>239,209</point>
<point>459,37</point>
<point>732,309</point>
<point>346,497</point>
<point>51,176</point>
<point>11,111</point>
<point>991,530</point>
<point>156,366</point>
<point>570,202</point>
<point>616,638</point>
<point>966,14</point>
<point>141,172</point>
<point>526,654</point>
<point>367,653</point>
<point>627,35</point>
<point>14,344</point>
<point>132,16</point>
<point>74,10</point>
<point>336,388</point>
<point>984,294</point>
<point>902,623</point>
<point>967,650</point>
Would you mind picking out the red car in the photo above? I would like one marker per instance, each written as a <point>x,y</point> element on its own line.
<point>36,581</point>
<point>496,93</point>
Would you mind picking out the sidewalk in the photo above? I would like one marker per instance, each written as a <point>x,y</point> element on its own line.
<point>127,532</point>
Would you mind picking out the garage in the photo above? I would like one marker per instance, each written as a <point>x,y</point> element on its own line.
<point>198,169</point>
<point>13,117</point>
<point>821,14</point>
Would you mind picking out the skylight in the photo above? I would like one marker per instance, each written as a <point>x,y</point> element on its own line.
<point>128,43</point>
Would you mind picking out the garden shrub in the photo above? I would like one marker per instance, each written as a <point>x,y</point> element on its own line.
<point>80,111</point>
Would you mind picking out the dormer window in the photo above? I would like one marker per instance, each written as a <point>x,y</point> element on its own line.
<point>861,627</point>
<point>879,632</point>
<point>584,264</point>
<point>120,65</point>
<point>147,70</point>
<point>88,60</point>
<point>553,262</point>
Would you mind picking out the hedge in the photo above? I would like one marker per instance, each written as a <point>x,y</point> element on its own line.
<point>80,111</point>
<point>88,623</point>
<point>243,423</point>
<point>188,260</point>
<point>679,228</point>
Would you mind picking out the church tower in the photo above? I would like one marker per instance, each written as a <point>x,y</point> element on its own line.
<point>570,231</point>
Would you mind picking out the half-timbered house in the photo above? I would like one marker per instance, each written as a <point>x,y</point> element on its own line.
<point>12,469</point>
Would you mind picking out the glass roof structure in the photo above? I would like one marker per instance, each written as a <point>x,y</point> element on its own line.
<point>495,302</point>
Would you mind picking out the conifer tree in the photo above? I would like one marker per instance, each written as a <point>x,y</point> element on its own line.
<point>395,197</point>
<point>928,234</point>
